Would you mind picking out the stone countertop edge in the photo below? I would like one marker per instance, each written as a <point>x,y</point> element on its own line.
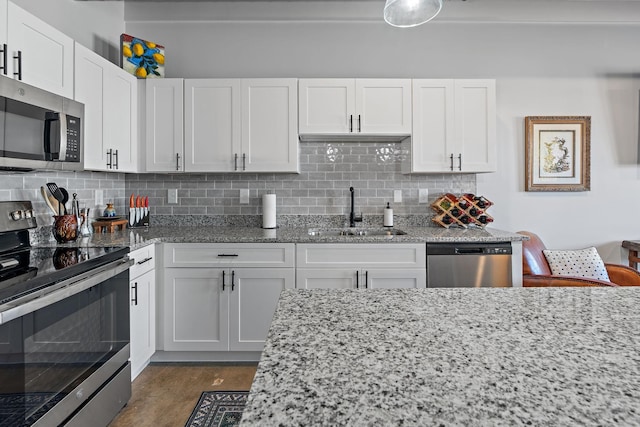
<point>140,237</point>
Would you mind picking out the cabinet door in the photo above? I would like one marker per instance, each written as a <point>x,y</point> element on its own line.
<point>47,54</point>
<point>196,310</point>
<point>164,125</point>
<point>269,125</point>
<point>475,125</point>
<point>212,124</point>
<point>253,298</point>
<point>395,279</point>
<point>433,126</point>
<point>326,106</point>
<point>89,89</point>
<point>143,321</point>
<point>340,278</point>
<point>121,118</point>
<point>383,106</point>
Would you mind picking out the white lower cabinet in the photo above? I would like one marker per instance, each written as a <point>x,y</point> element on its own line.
<point>366,266</point>
<point>227,305</point>
<point>142,308</point>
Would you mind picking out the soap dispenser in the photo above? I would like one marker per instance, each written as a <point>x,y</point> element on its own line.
<point>388,216</point>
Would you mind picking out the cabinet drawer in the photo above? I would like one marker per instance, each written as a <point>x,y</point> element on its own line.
<point>145,260</point>
<point>361,256</point>
<point>229,255</point>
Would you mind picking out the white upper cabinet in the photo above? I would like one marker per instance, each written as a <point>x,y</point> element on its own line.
<point>37,53</point>
<point>230,125</point>
<point>269,126</point>
<point>354,107</point>
<point>212,124</point>
<point>454,126</point>
<point>110,96</point>
<point>164,125</point>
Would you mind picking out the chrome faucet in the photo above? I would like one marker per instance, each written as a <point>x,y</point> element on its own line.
<point>352,215</point>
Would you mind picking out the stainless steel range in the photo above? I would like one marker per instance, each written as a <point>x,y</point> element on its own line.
<point>64,329</point>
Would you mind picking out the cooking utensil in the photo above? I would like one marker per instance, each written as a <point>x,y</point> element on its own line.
<point>65,198</point>
<point>75,205</point>
<point>55,190</point>
<point>51,201</point>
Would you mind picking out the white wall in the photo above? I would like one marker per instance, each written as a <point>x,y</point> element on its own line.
<point>94,24</point>
<point>541,69</point>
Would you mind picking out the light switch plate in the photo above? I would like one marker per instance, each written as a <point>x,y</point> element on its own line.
<point>423,195</point>
<point>172,196</point>
<point>99,198</point>
<point>397,196</point>
<point>244,196</point>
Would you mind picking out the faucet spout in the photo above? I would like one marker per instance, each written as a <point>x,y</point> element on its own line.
<point>352,214</point>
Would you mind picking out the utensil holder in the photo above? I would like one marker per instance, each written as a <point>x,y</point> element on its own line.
<point>65,228</point>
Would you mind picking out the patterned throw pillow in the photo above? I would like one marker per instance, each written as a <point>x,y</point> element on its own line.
<point>580,262</point>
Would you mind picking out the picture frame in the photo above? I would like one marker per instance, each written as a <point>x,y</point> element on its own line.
<point>557,153</point>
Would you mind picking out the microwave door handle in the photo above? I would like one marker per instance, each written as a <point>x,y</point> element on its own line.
<point>63,136</point>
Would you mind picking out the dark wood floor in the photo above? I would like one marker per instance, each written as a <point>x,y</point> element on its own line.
<point>165,394</point>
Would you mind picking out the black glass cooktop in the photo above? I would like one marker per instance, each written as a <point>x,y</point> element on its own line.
<point>32,269</point>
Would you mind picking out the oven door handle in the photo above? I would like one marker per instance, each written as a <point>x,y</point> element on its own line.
<point>62,290</point>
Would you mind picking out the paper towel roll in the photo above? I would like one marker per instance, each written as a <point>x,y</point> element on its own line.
<point>269,211</point>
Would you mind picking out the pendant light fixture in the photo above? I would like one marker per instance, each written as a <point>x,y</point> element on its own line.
<point>409,13</point>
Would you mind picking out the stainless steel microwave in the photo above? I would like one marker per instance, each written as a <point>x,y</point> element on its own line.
<point>39,129</point>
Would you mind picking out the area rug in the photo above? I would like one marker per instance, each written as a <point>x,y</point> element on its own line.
<point>218,409</point>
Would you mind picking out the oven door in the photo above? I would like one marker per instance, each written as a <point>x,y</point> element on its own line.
<point>53,359</point>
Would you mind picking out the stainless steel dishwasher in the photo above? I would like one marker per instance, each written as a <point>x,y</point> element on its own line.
<point>469,265</point>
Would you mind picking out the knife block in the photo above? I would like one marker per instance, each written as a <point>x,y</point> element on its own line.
<point>142,222</point>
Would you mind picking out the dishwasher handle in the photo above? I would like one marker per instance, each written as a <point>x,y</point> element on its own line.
<point>469,251</point>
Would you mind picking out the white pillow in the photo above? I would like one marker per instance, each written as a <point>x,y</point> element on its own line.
<point>580,262</point>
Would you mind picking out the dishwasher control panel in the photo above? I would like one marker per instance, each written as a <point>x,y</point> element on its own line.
<point>497,251</point>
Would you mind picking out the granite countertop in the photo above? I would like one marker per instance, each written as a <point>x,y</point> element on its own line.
<point>450,357</point>
<point>138,237</point>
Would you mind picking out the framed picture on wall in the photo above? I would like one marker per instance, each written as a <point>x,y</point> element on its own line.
<point>557,153</point>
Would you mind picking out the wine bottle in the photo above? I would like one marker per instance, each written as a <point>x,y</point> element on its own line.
<point>455,212</point>
<point>447,220</point>
<point>465,219</point>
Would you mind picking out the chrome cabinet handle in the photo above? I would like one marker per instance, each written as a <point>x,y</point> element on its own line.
<point>244,161</point>
<point>233,278</point>
<point>235,162</point>
<point>223,280</point>
<point>18,56</point>
<point>227,255</point>
<point>451,158</point>
<point>134,300</point>
<point>366,279</point>
<point>110,161</point>
<point>460,161</point>
<point>357,279</point>
<point>115,163</point>
<point>350,123</point>
<point>359,124</point>
<point>177,161</point>
<point>4,59</point>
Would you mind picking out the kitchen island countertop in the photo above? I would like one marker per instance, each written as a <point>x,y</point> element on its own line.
<point>450,357</point>
<point>138,237</point>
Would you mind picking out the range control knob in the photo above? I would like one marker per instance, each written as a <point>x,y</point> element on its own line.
<point>16,215</point>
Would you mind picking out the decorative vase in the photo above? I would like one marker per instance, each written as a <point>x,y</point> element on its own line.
<point>109,210</point>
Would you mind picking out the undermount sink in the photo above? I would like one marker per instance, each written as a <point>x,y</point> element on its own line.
<point>355,232</point>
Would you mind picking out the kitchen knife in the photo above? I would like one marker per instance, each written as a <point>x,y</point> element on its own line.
<point>132,211</point>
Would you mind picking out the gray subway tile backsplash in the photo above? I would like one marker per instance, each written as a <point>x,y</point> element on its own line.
<point>320,190</point>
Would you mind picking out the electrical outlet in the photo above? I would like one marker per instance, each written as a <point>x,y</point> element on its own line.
<point>99,198</point>
<point>244,196</point>
<point>172,196</point>
<point>397,196</point>
<point>423,195</point>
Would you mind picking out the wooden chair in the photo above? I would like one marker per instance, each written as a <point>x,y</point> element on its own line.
<point>537,273</point>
